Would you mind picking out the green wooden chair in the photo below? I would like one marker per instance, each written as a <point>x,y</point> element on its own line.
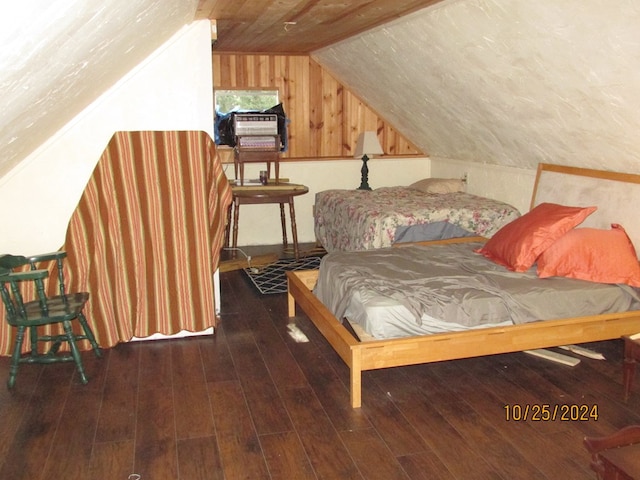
<point>61,308</point>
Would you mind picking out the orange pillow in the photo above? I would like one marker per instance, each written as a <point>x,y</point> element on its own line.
<point>518,244</point>
<point>605,256</point>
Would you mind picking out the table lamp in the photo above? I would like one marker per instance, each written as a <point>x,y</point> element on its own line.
<point>367,145</point>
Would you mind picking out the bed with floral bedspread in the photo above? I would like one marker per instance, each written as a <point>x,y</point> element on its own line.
<point>351,220</point>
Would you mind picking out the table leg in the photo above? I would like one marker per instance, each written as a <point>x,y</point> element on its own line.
<point>236,215</point>
<point>283,221</point>
<point>294,229</point>
<point>629,370</point>
<point>227,230</point>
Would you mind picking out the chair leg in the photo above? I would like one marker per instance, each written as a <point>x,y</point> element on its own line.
<point>75,353</point>
<point>628,372</point>
<point>33,336</point>
<point>89,334</point>
<point>15,357</point>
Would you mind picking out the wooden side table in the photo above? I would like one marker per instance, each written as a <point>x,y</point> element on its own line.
<point>283,193</point>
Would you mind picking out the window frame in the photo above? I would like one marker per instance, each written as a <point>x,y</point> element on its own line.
<point>247,91</point>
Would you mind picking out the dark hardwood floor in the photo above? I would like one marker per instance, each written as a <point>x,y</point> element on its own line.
<point>250,402</point>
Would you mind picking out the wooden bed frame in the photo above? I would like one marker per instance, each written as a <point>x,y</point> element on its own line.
<point>361,356</point>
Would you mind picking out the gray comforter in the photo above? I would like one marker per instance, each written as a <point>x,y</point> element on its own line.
<point>454,284</point>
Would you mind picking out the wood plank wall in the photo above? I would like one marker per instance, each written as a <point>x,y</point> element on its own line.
<point>325,117</point>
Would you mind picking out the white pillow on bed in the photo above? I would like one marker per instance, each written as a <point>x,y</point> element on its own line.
<point>439,185</point>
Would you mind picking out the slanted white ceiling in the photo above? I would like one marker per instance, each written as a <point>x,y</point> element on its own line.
<point>57,56</point>
<point>512,83</point>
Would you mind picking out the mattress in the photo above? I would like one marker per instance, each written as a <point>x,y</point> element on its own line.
<point>416,290</point>
<point>354,220</point>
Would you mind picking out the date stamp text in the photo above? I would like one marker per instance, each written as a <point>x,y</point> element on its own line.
<point>546,412</point>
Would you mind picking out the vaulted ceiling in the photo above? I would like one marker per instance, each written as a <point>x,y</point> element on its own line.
<point>297,26</point>
<point>511,83</point>
<point>58,56</point>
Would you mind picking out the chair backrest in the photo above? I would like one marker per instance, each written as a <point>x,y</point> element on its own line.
<point>10,287</point>
<point>57,257</point>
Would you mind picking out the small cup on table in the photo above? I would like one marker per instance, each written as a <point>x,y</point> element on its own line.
<point>264,179</point>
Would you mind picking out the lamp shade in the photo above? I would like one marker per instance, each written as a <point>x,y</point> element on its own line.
<point>368,144</point>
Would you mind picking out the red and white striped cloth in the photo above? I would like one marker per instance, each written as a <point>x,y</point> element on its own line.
<point>146,236</point>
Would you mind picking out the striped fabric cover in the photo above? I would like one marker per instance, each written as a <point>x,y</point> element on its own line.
<point>146,236</point>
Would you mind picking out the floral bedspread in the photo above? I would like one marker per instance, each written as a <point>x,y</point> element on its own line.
<point>349,220</point>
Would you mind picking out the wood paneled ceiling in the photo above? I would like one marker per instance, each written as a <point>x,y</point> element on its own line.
<point>297,26</point>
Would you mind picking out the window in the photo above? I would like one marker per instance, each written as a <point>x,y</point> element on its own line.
<point>230,102</point>
<point>241,100</point>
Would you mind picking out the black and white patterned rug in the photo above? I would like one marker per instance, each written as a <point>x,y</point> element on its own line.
<point>272,278</point>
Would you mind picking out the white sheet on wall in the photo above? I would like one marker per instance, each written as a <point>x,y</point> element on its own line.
<point>617,201</point>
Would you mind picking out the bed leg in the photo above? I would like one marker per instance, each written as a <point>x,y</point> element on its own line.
<point>356,380</point>
<point>291,302</point>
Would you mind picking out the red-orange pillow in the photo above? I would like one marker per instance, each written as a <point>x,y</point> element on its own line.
<point>518,244</point>
<point>605,256</point>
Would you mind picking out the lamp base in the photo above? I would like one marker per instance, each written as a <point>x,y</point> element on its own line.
<point>364,171</point>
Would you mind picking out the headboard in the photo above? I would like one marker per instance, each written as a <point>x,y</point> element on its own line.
<point>617,195</point>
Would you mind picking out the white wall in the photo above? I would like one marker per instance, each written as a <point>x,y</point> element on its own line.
<point>260,224</point>
<point>171,90</point>
<point>507,184</point>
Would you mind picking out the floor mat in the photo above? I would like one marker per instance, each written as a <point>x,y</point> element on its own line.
<point>272,278</point>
